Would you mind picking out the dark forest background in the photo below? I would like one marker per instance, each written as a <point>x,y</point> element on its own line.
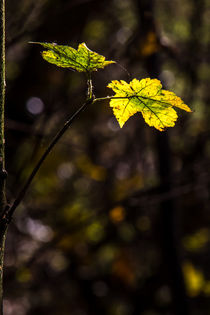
<point>117,221</point>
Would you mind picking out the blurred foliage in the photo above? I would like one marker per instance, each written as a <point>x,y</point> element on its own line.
<point>113,213</point>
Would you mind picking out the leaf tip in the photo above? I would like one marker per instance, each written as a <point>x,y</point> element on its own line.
<point>121,124</point>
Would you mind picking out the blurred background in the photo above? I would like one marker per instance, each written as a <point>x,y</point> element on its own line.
<point>117,221</point>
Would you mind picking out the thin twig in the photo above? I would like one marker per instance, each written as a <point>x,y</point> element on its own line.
<point>2,102</point>
<point>3,227</point>
<point>9,212</point>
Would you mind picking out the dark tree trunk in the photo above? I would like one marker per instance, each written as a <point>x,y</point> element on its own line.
<point>167,225</point>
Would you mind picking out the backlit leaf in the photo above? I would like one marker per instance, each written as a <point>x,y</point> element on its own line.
<point>83,59</point>
<point>148,97</point>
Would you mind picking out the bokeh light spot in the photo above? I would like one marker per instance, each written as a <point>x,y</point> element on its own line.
<point>35,105</point>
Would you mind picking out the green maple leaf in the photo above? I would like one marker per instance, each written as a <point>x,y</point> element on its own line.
<point>148,97</point>
<point>83,59</point>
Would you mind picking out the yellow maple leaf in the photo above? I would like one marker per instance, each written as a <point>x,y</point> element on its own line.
<point>148,97</point>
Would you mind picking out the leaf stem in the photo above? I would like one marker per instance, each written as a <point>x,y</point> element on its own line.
<point>90,86</point>
<point>10,211</point>
<point>111,97</point>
